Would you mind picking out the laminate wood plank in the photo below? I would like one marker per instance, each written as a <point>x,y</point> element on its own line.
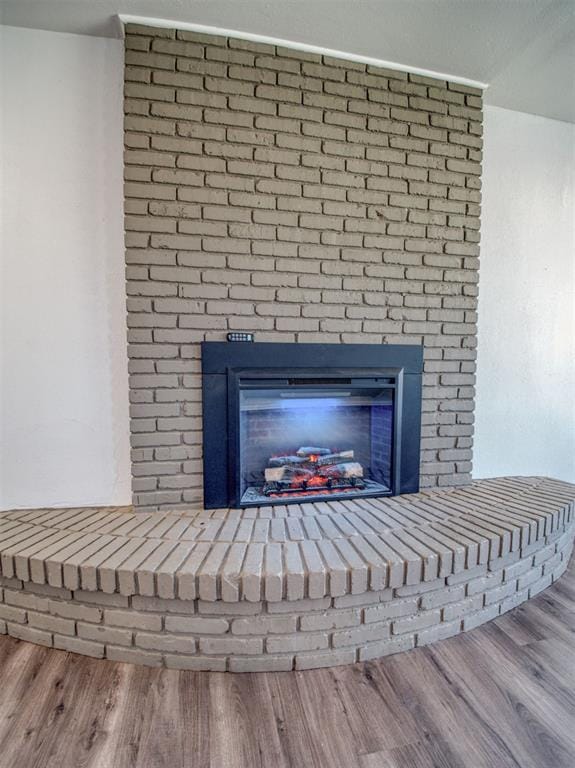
<point>20,664</point>
<point>299,743</point>
<point>531,623</point>
<point>376,715</point>
<point>440,706</point>
<point>326,714</point>
<point>243,726</point>
<point>547,708</point>
<point>551,657</point>
<point>427,753</point>
<point>489,701</point>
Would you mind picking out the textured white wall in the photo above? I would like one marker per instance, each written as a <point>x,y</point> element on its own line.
<point>525,414</point>
<point>64,392</point>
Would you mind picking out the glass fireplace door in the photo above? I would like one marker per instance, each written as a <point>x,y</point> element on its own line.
<point>300,440</point>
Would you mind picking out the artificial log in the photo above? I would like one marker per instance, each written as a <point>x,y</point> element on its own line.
<point>347,469</point>
<point>286,473</point>
<point>334,458</point>
<point>307,451</point>
<point>280,461</point>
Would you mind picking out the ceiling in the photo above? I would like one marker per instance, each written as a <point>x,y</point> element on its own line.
<point>524,49</point>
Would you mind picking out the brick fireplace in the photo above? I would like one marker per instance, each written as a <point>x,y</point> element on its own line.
<point>302,198</point>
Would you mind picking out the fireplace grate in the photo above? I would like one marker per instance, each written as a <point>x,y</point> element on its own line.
<point>279,489</point>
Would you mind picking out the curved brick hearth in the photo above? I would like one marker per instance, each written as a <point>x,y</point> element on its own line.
<point>277,588</point>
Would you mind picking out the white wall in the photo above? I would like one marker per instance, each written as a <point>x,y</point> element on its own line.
<point>525,418</point>
<point>63,371</point>
<point>64,408</point>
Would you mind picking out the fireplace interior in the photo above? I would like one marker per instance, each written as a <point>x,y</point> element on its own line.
<point>302,438</point>
<point>289,423</point>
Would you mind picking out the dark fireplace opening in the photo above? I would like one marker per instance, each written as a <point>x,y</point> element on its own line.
<point>293,423</point>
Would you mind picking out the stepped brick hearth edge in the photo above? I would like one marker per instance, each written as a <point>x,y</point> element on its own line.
<point>281,588</point>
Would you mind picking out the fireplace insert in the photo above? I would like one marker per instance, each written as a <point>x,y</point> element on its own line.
<point>293,423</point>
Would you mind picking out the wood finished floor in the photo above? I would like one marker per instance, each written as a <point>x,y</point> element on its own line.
<point>502,696</point>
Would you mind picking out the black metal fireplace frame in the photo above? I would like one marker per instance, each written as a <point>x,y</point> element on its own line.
<point>226,364</point>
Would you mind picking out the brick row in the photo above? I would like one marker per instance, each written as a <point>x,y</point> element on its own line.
<point>301,197</point>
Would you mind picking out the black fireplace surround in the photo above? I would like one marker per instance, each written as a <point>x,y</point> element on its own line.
<point>295,423</point>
